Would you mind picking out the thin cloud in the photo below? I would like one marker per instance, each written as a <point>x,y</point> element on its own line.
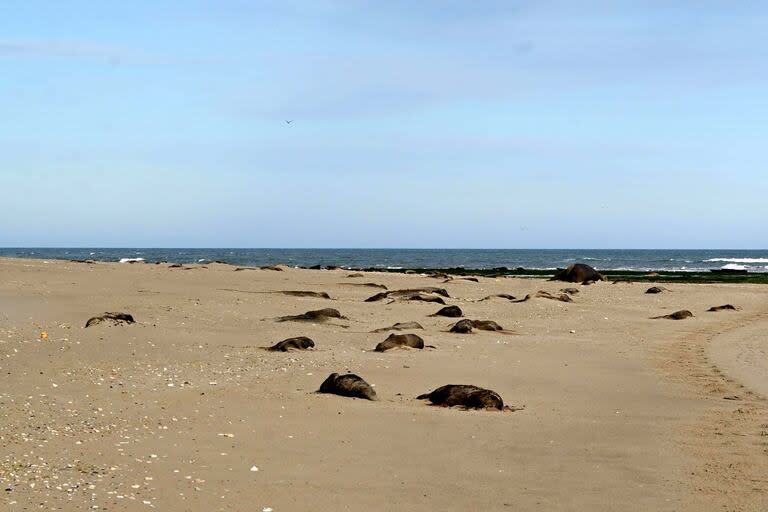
<point>87,51</point>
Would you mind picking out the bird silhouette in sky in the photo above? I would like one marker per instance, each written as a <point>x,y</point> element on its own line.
<point>288,121</point>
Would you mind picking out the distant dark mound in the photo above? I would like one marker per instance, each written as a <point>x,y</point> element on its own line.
<point>656,289</point>
<point>349,385</point>
<point>113,318</point>
<point>578,273</point>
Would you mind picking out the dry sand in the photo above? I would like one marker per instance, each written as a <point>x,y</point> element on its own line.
<point>176,412</point>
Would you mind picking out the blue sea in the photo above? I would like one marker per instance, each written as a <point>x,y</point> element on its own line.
<point>604,259</point>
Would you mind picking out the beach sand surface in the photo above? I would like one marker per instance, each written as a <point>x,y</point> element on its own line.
<point>184,411</point>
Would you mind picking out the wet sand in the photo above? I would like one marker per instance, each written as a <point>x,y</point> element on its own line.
<point>184,411</point>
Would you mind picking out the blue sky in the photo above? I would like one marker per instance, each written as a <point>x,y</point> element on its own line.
<point>500,124</point>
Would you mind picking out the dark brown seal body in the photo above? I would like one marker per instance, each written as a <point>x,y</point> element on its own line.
<point>298,343</point>
<point>473,279</point>
<point>375,298</point>
<point>349,385</point>
<point>400,326</point>
<point>368,285</point>
<point>450,311</point>
<point>486,325</point>
<point>464,395</point>
<point>462,327</point>
<point>302,293</point>
<point>400,341</point>
<point>724,307</point>
<point>563,297</point>
<point>115,318</point>
<point>655,289</point>
<point>578,273</point>
<point>677,315</point>
<point>465,326</point>
<point>423,297</point>
<point>499,295</point>
<point>410,293</point>
<point>318,315</point>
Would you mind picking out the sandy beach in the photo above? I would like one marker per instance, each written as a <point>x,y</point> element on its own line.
<point>184,411</point>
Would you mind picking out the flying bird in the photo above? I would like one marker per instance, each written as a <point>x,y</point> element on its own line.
<point>288,122</point>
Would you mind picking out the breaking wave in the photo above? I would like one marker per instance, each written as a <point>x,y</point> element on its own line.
<point>739,260</point>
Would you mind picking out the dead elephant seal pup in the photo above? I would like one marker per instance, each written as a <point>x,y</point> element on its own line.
<point>463,327</point>
<point>472,279</point>
<point>570,291</point>
<point>369,285</point>
<point>409,293</point>
<point>724,307</point>
<point>464,395</point>
<point>318,315</point>
<point>298,343</point>
<point>400,341</point>
<point>499,295</point>
<point>466,326</point>
<point>423,297</point>
<point>348,385</point>
<point>115,318</point>
<point>677,315</point>
<point>486,325</point>
<point>577,273</point>
<point>563,297</point>
<point>400,326</point>
<point>302,293</point>
<point>655,289</point>
<point>450,311</point>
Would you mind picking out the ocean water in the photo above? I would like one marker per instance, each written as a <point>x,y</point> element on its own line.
<point>604,259</point>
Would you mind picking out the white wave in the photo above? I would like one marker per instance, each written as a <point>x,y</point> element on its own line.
<point>734,266</point>
<point>739,260</point>
<point>131,260</point>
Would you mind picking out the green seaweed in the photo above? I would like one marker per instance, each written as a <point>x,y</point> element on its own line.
<point>661,276</point>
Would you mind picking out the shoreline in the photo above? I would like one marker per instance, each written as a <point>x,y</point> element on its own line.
<point>651,276</point>
<point>619,411</point>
